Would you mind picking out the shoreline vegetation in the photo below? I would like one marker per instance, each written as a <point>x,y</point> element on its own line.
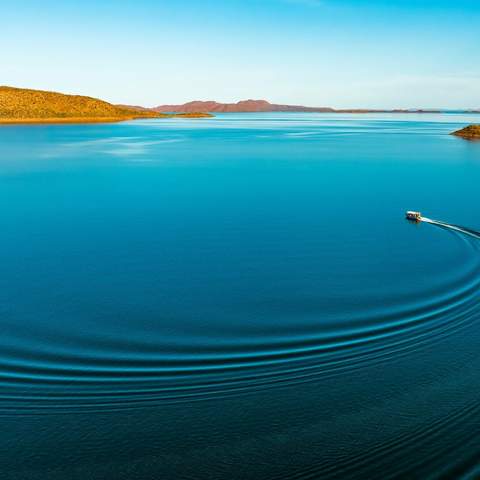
<point>472,132</point>
<point>27,106</point>
<point>66,120</point>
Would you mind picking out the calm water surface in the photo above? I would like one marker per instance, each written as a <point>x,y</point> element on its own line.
<point>239,298</point>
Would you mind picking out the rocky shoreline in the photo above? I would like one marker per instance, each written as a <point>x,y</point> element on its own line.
<point>472,132</point>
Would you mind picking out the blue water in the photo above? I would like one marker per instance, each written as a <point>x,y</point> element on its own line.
<point>240,298</point>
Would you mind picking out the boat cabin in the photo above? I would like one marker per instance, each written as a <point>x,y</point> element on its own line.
<point>416,216</point>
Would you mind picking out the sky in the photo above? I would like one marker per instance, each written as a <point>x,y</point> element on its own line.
<point>337,53</point>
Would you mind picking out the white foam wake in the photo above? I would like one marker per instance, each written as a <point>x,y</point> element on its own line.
<point>458,228</point>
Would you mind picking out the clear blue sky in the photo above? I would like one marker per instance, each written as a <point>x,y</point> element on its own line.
<point>379,53</point>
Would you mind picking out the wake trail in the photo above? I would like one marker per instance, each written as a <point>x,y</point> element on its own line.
<point>457,228</point>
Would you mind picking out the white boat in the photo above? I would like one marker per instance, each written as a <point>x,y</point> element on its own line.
<point>415,216</point>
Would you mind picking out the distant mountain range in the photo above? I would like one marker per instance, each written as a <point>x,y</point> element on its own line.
<point>264,106</point>
<point>242,106</point>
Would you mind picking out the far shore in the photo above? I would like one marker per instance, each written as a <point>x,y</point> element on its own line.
<point>60,120</point>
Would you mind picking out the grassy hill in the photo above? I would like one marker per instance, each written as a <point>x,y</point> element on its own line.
<point>472,132</point>
<point>19,105</point>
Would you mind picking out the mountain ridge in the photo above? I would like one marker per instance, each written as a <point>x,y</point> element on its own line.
<point>251,106</point>
<point>241,106</point>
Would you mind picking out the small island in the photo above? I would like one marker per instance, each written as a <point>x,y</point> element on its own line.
<point>26,106</point>
<point>472,132</point>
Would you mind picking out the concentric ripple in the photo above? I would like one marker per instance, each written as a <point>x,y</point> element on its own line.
<point>41,372</point>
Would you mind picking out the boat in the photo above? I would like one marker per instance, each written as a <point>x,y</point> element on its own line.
<point>415,216</point>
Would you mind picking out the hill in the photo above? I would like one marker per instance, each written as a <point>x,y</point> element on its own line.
<point>472,132</point>
<point>19,105</point>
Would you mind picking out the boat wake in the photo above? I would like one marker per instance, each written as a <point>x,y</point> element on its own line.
<point>457,228</point>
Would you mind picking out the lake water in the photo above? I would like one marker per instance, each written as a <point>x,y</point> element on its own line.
<point>240,298</point>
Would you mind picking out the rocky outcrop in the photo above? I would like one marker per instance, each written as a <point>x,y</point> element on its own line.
<point>472,132</point>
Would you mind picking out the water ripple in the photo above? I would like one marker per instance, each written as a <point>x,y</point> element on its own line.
<point>98,372</point>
